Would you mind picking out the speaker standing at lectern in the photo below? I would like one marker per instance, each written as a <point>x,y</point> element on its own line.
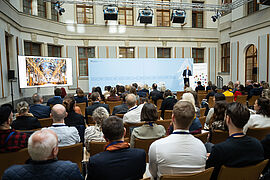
<point>186,74</point>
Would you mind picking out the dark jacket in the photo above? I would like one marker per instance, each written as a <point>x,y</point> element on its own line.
<point>155,95</point>
<point>89,110</point>
<point>120,109</point>
<point>254,92</point>
<point>142,93</point>
<point>200,87</point>
<point>55,100</point>
<point>26,123</point>
<point>43,170</point>
<point>40,111</point>
<point>81,100</point>
<point>123,164</point>
<point>74,119</point>
<point>167,104</point>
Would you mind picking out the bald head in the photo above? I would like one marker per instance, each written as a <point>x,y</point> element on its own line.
<point>58,113</point>
<point>131,100</point>
<point>43,145</point>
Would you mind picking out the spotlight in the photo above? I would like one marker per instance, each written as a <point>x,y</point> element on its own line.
<point>58,8</point>
<point>216,16</point>
<point>178,16</point>
<point>145,16</point>
<point>110,12</point>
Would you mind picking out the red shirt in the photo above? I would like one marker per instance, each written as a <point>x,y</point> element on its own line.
<point>15,142</point>
<point>237,93</point>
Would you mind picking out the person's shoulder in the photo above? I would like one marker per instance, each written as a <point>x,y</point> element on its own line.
<point>135,152</point>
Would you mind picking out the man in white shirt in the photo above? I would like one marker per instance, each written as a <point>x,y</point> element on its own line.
<point>180,152</point>
<point>134,112</point>
<point>66,135</point>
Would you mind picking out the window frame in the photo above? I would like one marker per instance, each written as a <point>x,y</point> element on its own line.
<point>53,50</point>
<point>196,13</point>
<point>45,8</point>
<point>163,52</point>
<point>84,6</point>
<point>125,10</point>
<point>31,48</point>
<point>225,59</point>
<point>31,8</point>
<point>196,59</point>
<point>53,10</point>
<point>254,8</point>
<point>126,52</point>
<point>85,59</point>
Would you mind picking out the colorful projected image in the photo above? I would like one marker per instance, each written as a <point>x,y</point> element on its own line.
<point>46,71</point>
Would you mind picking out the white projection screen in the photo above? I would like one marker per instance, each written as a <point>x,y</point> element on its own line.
<point>35,71</point>
<point>104,72</point>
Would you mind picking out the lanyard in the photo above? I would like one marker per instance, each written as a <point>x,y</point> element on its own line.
<point>181,132</point>
<point>59,125</point>
<point>236,134</point>
<point>132,108</point>
<point>9,136</point>
<point>113,143</point>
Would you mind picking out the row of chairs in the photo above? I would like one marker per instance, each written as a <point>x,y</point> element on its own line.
<point>241,99</point>
<point>73,153</point>
<point>225,173</point>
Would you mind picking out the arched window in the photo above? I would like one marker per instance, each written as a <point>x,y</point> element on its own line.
<point>251,63</point>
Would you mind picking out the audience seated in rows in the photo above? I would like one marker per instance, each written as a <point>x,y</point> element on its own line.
<point>37,109</point>
<point>134,112</point>
<point>239,90</point>
<point>146,89</point>
<point>212,92</point>
<point>262,117</point>
<point>227,92</point>
<point>255,91</point>
<point>73,118</point>
<point>141,92</point>
<point>168,102</point>
<point>209,86</point>
<point>217,97</point>
<point>80,97</point>
<point>10,140</point>
<point>95,96</point>
<point>122,108</point>
<point>249,86</point>
<point>94,133</point>
<point>150,130</point>
<point>180,152</point>
<point>43,150</point>
<point>217,121</point>
<point>66,135</point>
<point>98,89</point>
<point>134,91</point>
<point>24,119</point>
<point>57,99</point>
<point>118,161</point>
<point>238,150</point>
<point>106,92</point>
<point>155,94</point>
<point>199,87</point>
<point>120,90</point>
<point>113,96</point>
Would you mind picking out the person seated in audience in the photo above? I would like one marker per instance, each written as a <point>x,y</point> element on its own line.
<point>106,92</point>
<point>134,112</point>
<point>146,89</point>
<point>122,108</point>
<point>255,91</point>
<point>209,87</point>
<point>141,93</point>
<point>94,133</point>
<point>120,91</point>
<point>113,96</point>
<point>66,135</point>
<point>37,109</point>
<point>127,89</point>
<point>212,93</point>
<point>118,161</point>
<point>217,97</point>
<point>230,86</point>
<point>150,130</point>
<point>10,140</point>
<point>266,90</point>
<point>24,119</point>
<point>56,99</point>
<point>73,118</point>
<point>199,87</point>
<point>236,84</point>
<point>217,120</point>
<point>262,117</point>
<point>134,91</point>
<point>226,91</point>
<point>238,150</point>
<point>240,90</point>
<point>80,98</point>
<point>135,85</point>
<point>98,89</point>
<point>168,102</point>
<point>63,93</point>
<point>95,104</point>
<point>249,86</point>
<point>155,94</point>
<point>180,152</point>
<point>43,150</point>
<point>187,88</point>
<point>266,146</point>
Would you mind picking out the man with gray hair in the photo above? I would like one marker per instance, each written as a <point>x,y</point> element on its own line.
<point>66,135</point>
<point>134,112</point>
<point>37,109</point>
<point>43,150</point>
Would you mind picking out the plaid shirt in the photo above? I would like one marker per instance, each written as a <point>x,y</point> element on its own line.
<point>15,142</point>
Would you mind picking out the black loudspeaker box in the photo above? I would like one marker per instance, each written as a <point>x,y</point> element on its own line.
<point>11,74</point>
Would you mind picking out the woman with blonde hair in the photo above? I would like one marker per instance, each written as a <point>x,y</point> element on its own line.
<point>94,133</point>
<point>24,119</point>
